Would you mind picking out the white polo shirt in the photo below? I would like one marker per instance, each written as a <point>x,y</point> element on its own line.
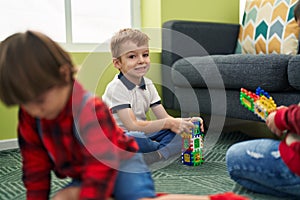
<point>120,93</point>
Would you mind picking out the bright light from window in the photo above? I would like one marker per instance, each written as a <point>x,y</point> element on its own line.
<point>93,21</point>
<point>242,9</point>
<point>47,16</point>
<point>99,22</point>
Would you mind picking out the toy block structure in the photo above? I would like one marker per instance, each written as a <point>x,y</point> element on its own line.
<point>260,102</point>
<point>192,146</point>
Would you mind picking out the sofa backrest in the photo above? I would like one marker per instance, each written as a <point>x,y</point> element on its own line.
<point>187,38</point>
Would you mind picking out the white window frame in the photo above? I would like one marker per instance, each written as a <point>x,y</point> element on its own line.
<point>242,9</point>
<point>70,46</point>
<point>96,47</point>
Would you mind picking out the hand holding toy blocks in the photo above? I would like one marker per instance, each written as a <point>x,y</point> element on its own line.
<point>192,146</point>
<point>260,102</point>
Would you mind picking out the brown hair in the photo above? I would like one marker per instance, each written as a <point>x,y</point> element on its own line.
<point>29,65</point>
<point>297,11</point>
<point>125,35</point>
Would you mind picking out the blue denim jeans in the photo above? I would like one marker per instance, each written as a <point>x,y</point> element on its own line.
<point>166,142</point>
<point>257,165</point>
<point>133,181</point>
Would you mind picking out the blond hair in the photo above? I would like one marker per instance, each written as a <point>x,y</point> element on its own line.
<point>125,35</point>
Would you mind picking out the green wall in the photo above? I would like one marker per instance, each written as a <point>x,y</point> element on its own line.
<point>156,12</point>
<point>95,69</point>
<point>8,124</point>
<point>226,11</point>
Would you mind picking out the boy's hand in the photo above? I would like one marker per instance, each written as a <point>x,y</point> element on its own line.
<point>194,119</point>
<point>181,125</point>
<point>281,107</point>
<point>271,124</point>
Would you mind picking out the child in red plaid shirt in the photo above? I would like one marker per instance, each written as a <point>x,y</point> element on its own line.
<point>63,128</point>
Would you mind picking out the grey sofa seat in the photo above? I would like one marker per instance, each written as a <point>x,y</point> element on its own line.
<point>201,72</point>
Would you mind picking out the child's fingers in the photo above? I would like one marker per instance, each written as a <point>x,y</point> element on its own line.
<point>187,119</point>
<point>187,126</point>
<point>202,127</point>
<point>280,107</point>
<point>194,119</point>
<point>184,127</point>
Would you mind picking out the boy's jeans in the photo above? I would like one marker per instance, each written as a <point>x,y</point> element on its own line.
<point>166,142</point>
<point>257,165</point>
<point>133,181</point>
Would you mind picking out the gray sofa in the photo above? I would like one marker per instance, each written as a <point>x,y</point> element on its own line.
<point>201,72</point>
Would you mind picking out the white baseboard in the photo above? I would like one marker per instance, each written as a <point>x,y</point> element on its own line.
<point>8,144</point>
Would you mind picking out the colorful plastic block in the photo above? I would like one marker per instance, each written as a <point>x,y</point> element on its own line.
<point>260,102</point>
<point>192,146</point>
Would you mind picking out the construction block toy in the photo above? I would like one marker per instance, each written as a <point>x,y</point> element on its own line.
<point>192,146</point>
<point>260,102</point>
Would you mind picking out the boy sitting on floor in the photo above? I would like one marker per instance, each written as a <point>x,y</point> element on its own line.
<point>130,95</point>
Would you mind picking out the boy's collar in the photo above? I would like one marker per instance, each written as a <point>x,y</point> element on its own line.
<point>129,84</point>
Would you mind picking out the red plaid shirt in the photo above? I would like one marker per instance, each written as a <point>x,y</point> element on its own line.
<point>93,159</point>
<point>288,119</point>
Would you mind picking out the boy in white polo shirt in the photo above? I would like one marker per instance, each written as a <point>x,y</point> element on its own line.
<point>130,95</point>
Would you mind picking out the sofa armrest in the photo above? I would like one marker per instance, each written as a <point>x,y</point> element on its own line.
<point>182,39</point>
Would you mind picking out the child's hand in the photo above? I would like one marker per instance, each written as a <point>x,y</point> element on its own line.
<point>271,124</point>
<point>181,125</point>
<point>194,119</point>
<point>280,107</point>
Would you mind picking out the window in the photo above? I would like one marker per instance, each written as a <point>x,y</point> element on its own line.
<point>78,25</point>
<point>242,9</point>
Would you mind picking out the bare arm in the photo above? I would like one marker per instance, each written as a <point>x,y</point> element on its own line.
<point>177,125</point>
<point>160,113</point>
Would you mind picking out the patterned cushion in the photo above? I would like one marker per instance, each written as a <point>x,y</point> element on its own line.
<point>268,27</point>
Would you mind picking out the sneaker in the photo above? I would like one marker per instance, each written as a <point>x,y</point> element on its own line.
<point>152,157</point>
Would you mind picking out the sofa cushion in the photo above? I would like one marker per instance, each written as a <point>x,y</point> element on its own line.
<point>233,71</point>
<point>294,72</point>
<point>268,27</point>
